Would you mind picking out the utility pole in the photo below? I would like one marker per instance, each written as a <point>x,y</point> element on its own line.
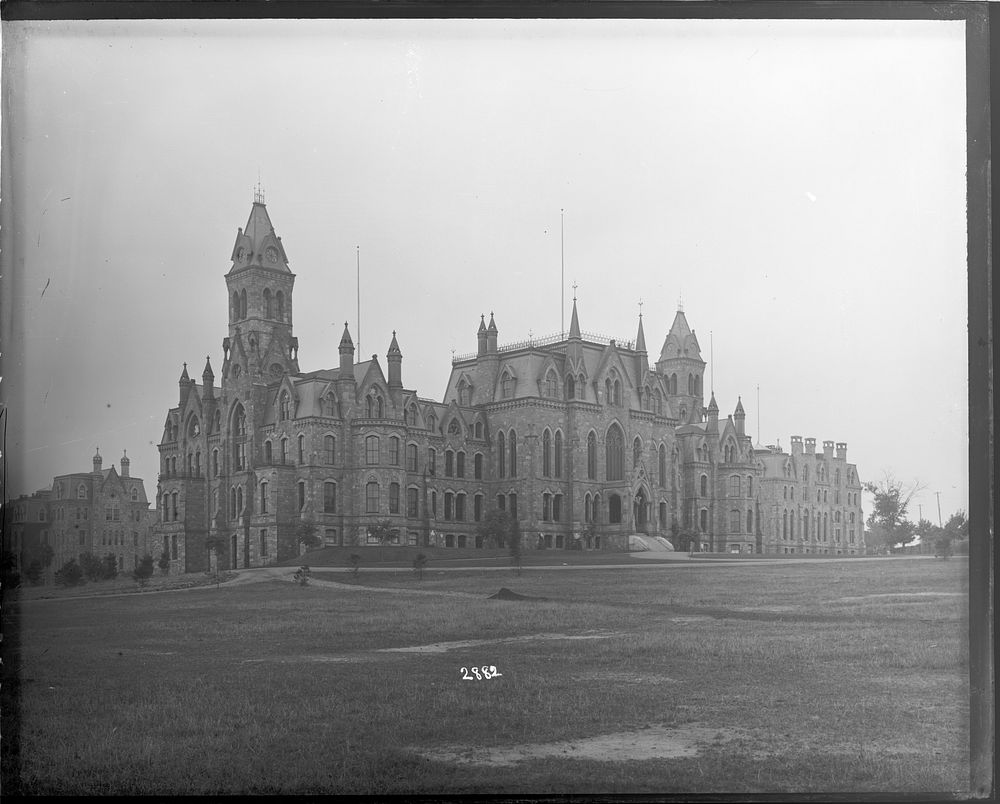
<point>938,493</point>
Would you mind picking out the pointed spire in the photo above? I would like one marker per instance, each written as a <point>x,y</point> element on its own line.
<point>482,322</point>
<point>739,407</point>
<point>184,374</point>
<point>208,375</point>
<point>574,323</point>
<point>640,338</point>
<point>345,340</point>
<point>493,326</point>
<point>712,405</point>
<point>394,347</point>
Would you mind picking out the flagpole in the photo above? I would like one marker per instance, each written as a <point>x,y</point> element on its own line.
<point>359,305</point>
<point>562,272</point>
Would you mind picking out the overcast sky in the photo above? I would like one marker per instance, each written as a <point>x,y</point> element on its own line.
<point>799,184</point>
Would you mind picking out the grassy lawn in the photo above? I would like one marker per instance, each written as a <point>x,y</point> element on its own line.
<point>833,676</point>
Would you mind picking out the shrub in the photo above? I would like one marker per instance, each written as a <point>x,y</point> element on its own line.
<point>70,574</point>
<point>110,566</point>
<point>92,566</point>
<point>34,572</point>
<point>163,562</point>
<point>418,565</point>
<point>144,570</point>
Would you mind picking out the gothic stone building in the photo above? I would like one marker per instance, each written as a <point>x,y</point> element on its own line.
<point>100,512</point>
<point>579,436</point>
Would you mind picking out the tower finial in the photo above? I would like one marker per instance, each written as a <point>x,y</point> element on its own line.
<point>575,286</point>
<point>640,307</point>
<point>680,302</point>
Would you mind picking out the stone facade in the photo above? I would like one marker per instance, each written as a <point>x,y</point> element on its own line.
<point>576,434</point>
<point>100,512</point>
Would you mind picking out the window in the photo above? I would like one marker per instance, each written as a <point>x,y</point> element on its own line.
<point>614,459</point>
<point>557,507</point>
<point>477,507</point>
<point>263,541</point>
<point>394,498</point>
<point>513,453</point>
<point>283,406</point>
<point>215,459</point>
<point>232,502</point>
<point>302,494</point>
<point>449,463</point>
<point>448,497</point>
<point>506,386</point>
<point>570,387</point>
<point>749,485</point>
<point>479,429</point>
<point>173,547</point>
<point>703,520</point>
<point>460,507</point>
<point>263,497</point>
<point>454,428</point>
<point>734,486</point>
<point>81,492</point>
<point>501,455</point>
<point>557,462</point>
<point>434,504</point>
<point>501,502</point>
<point>586,508</point>
<point>661,466</point>
<point>302,449</point>
<point>330,450</point>
<point>750,522</point>
<point>663,514</point>
<point>546,507</point>
<point>734,521</point>
<point>412,503</point>
<point>268,312</point>
<point>280,299</point>
<point>546,453</point>
<point>371,450</point>
<point>371,497</point>
<point>513,505</point>
<point>284,450</point>
<point>394,451</point>
<point>460,464</point>
<point>431,461</point>
<point>329,498</point>
<point>411,457</point>
<point>614,509</point>
<point>592,456</point>
<point>636,452</point>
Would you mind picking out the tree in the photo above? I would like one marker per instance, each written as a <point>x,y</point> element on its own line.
<point>163,562</point>
<point>93,567</point>
<point>109,567</point>
<point>418,565</point>
<point>143,570</point>
<point>355,563</point>
<point>887,523</point>
<point>69,574</point>
<point>381,529</point>
<point>8,565</point>
<point>515,543</point>
<point>306,534</point>
<point>495,528</point>
<point>34,572</point>
<point>957,526</point>
<point>928,532</point>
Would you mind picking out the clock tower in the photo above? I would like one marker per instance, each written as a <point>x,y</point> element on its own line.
<point>259,283</point>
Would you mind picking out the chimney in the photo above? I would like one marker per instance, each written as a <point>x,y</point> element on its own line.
<point>810,446</point>
<point>828,450</point>
<point>125,463</point>
<point>796,445</point>
<point>841,451</point>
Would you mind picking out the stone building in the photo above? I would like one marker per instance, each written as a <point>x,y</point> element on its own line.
<point>578,435</point>
<point>100,512</point>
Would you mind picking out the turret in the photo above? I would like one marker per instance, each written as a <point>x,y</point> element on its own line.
<point>346,354</point>
<point>125,463</point>
<point>740,417</point>
<point>481,336</point>
<point>184,385</point>
<point>713,415</point>
<point>642,360</point>
<point>491,337</point>
<point>395,360</point>
<point>208,379</point>
<point>97,461</point>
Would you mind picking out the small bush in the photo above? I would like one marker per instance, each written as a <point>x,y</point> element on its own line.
<point>34,572</point>
<point>92,566</point>
<point>144,571</point>
<point>109,565</point>
<point>163,562</point>
<point>70,574</point>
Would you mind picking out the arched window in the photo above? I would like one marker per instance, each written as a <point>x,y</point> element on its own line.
<point>268,312</point>
<point>380,407</point>
<point>479,429</point>
<point>662,466</point>
<point>460,464</point>
<point>784,525</point>
<point>697,385</point>
<point>636,452</point>
<point>371,497</point>
<point>704,485</point>
<point>394,498</point>
<point>302,449</point>
<point>236,305</point>
<point>243,304</point>
<point>586,508</point>
<point>478,466</point>
<point>614,446</point>
<point>673,384</point>
<point>449,463</point>
<point>570,387</point>
<point>591,456</point>
<point>81,492</point>
<point>749,521</point>
<point>394,451</point>
<point>432,423</point>
<point>280,303</point>
<point>267,453</point>
<point>302,494</point>
<point>263,497</point>
<point>546,453</point>
<point>284,450</point>
<point>330,450</point>
<point>501,455</point>
<point>239,431</point>
<point>454,428</point>
<point>283,407</point>
<point>506,386</point>
<point>749,485</point>
<point>614,509</point>
<point>551,385</point>
<point>734,521</point>
<point>690,384</point>
<point>618,393</point>
<point>371,450</point>
<point>512,446</point>
<point>557,462</point>
<point>232,502</point>
<point>734,486</point>
<point>805,473</point>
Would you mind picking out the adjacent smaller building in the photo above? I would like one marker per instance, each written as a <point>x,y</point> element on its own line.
<point>102,511</point>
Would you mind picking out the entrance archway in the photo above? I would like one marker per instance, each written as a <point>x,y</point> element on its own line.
<point>640,510</point>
